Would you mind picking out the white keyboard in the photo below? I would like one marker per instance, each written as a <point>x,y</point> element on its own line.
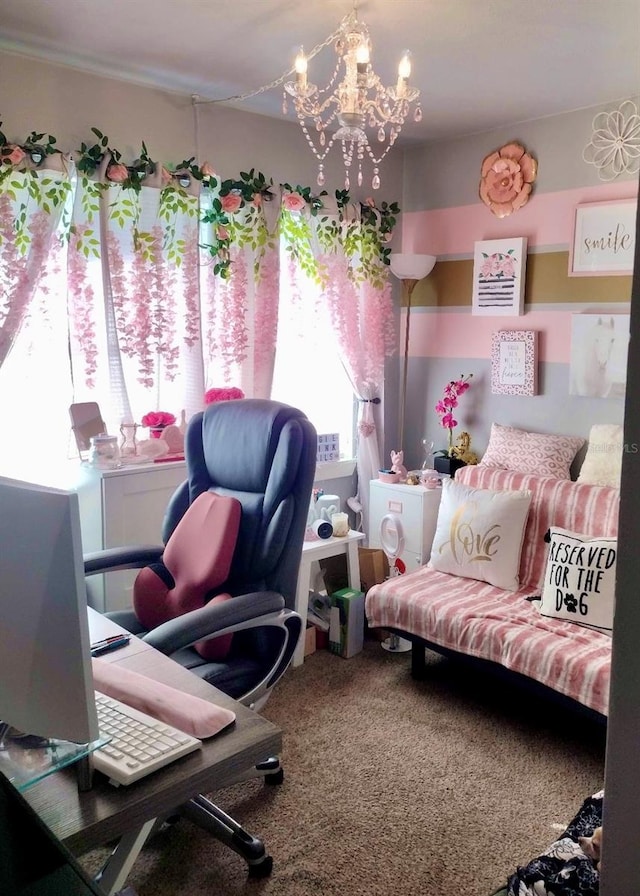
<point>139,743</point>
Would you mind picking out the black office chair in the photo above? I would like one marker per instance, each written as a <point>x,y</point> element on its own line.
<point>262,454</point>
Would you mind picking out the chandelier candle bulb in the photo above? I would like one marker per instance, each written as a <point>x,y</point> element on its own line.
<point>362,59</point>
<point>301,69</point>
<point>404,73</point>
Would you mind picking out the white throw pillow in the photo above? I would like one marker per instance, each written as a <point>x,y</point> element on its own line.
<point>542,454</point>
<point>479,533</point>
<point>602,464</point>
<point>580,579</point>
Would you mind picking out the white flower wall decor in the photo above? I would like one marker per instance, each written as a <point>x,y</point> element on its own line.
<point>614,147</point>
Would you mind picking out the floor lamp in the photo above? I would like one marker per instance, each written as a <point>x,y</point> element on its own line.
<point>409,269</point>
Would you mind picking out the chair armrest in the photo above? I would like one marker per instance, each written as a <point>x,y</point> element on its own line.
<point>111,559</point>
<point>242,612</point>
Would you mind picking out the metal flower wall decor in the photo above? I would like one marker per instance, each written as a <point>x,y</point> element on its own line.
<point>506,179</point>
<point>614,147</point>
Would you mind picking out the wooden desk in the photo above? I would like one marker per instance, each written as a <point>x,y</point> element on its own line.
<point>83,821</point>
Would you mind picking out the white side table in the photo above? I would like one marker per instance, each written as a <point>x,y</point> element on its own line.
<point>320,550</point>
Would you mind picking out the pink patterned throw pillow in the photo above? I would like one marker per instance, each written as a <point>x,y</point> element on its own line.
<point>531,452</point>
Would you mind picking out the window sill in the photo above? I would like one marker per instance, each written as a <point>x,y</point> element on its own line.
<point>334,469</point>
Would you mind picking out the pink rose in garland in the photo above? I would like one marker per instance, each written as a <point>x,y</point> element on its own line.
<point>231,203</point>
<point>156,422</point>
<point>11,154</point>
<point>117,172</point>
<point>293,202</point>
<point>448,403</point>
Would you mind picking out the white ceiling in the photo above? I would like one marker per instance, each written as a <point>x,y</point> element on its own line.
<point>479,64</point>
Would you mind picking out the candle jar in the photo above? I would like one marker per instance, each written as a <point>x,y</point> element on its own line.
<point>340,523</point>
<point>104,453</point>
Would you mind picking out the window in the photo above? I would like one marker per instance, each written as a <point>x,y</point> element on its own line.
<point>308,373</point>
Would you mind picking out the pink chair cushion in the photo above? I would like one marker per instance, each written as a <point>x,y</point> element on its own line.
<point>198,555</point>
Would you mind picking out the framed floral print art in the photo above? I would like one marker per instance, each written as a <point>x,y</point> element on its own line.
<point>498,276</point>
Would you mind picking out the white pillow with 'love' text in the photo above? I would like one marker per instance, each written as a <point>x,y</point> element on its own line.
<point>479,533</point>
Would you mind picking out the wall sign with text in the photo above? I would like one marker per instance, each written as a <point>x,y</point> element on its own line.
<point>514,363</point>
<point>604,238</point>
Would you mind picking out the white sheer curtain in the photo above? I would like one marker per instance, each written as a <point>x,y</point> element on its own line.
<point>32,204</point>
<point>35,388</point>
<point>343,261</point>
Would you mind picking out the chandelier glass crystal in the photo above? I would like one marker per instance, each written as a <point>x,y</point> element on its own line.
<point>347,111</point>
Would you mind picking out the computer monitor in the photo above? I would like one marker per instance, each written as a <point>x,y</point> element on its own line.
<point>46,682</point>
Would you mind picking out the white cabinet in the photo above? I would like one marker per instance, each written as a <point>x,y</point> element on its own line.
<point>402,521</point>
<point>123,507</point>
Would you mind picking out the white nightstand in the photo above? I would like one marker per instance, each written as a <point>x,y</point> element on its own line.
<point>320,550</point>
<point>410,513</point>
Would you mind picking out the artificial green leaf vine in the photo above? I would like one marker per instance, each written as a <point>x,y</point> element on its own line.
<point>233,208</point>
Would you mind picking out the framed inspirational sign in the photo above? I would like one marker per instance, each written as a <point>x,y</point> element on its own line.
<point>604,238</point>
<point>514,363</point>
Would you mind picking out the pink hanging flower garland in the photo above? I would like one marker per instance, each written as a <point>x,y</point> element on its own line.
<point>163,310</point>
<point>266,309</point>
<point>137,307</point>
<point>191,281</point>
<point>82,305</point>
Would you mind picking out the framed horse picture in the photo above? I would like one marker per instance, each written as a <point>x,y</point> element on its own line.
<point>598,365</point>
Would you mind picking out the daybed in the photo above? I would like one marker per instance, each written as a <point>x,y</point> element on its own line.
<point>505,628</point>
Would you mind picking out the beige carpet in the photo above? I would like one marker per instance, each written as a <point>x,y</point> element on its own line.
<point>392,787</point>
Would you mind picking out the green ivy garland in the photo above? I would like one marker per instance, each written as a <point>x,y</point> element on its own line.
<point>365,239</point>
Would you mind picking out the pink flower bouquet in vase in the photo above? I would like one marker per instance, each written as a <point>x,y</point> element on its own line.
<point>229,393</point>
<point>156,421</point>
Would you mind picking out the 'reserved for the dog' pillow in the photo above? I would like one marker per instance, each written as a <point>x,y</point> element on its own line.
<point>602,464</point>
<point>540,454</point>
<point>479,533</point>
<point>580,579</point>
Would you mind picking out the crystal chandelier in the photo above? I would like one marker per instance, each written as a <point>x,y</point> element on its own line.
<point>341,112</point>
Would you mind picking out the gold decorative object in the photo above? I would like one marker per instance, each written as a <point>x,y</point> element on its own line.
<point>507,178</point>
<point>462,451</point>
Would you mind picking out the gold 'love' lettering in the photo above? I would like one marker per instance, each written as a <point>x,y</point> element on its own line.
<point>466,543</point>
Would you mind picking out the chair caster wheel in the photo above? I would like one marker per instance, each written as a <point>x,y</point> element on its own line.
<point>263,868</point>
<point>275,779</point>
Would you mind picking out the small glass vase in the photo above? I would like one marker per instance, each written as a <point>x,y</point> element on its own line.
<point>427,445</point>
<point>156,431</point>
<point>129,443</point>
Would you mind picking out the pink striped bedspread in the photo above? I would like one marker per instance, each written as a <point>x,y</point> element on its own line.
<point>479,620</point>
